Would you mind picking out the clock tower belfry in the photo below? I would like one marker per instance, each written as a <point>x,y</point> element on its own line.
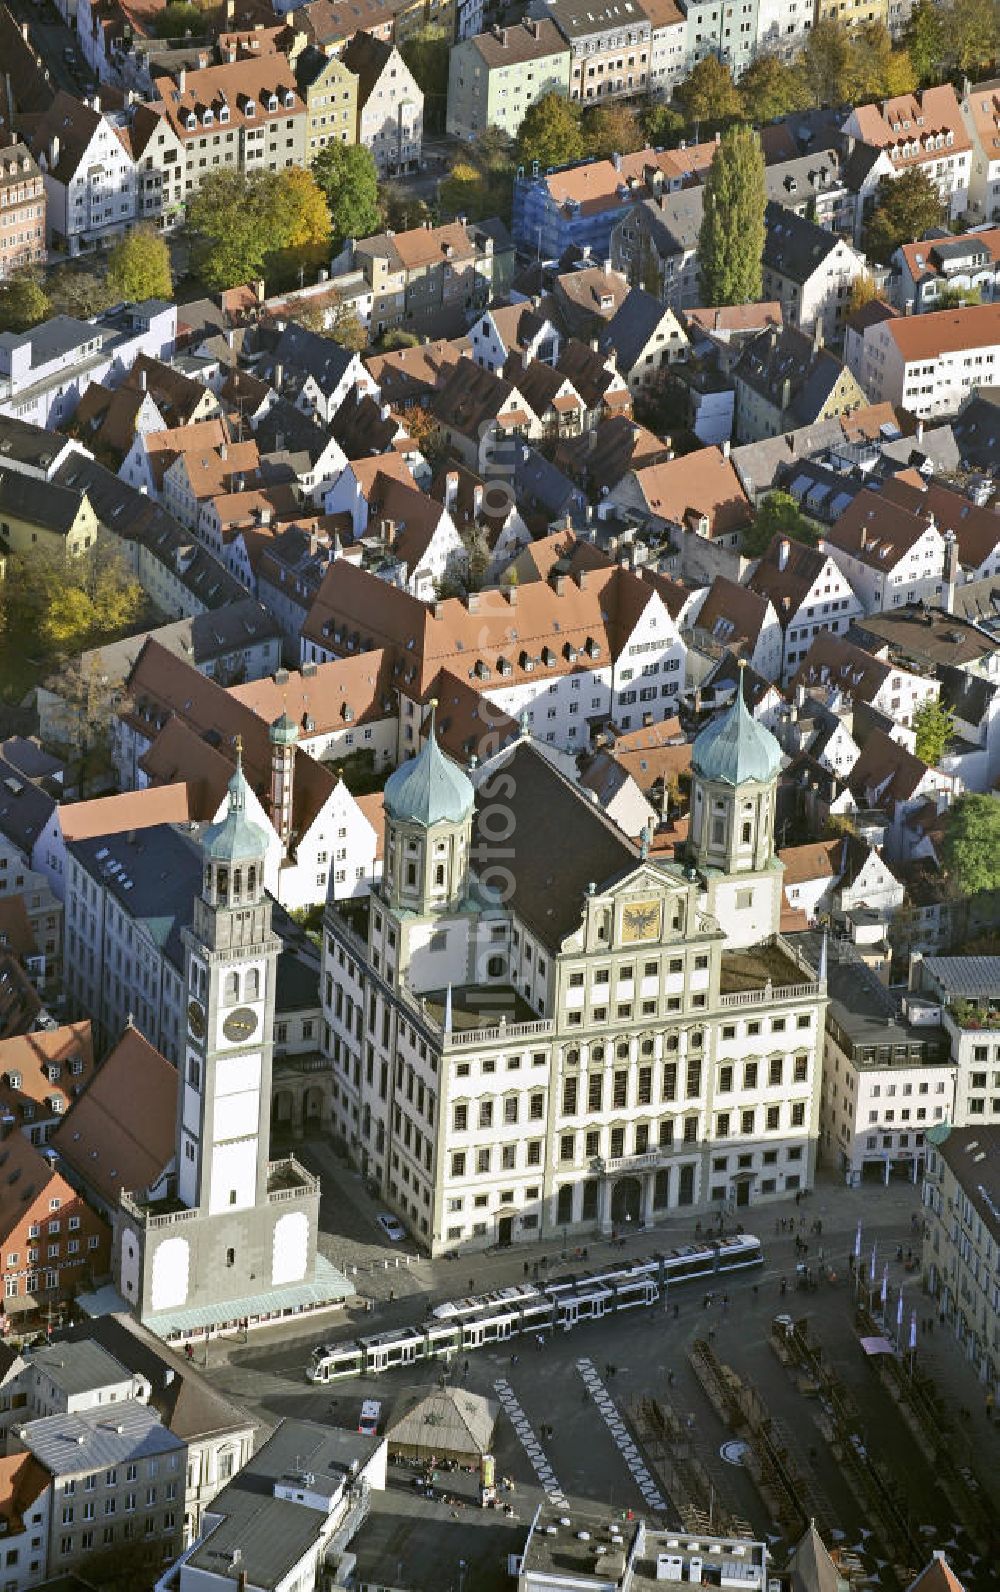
<point>224,1236</point>
<point>231,954</point>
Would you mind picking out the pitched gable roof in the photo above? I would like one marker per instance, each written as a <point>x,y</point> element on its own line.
<point>703,484</point>
<point>119,1134</point>
<point>786,573</point>
<point>885,772</point>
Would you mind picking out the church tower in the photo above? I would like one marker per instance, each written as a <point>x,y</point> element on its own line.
<point>734,773</point>
<point>428,823</point>
<point>224,1103</point>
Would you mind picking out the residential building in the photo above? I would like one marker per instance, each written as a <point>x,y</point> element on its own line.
<point>638,1555</point>
<point>656,245</point>
<point>246,113</point>
<point>599,644</point>
<point>646,338</point>
<point>44,371</point>
<point>58,520</point>
<point>523,327</point>
<point>495,77</point>
<point>668,57</point>
<point>435,279</point>
<point>981,114</point>
<point>783,26</point>
<point>159,156</point>
<point>698,502</point>
<point>925,132</point>
<point>726,30</point>
<point>968,263</point>
<point>88,172</point>
<point>840,671</point>
<point>815,186</point>
<point>728,616</point>
<point>889,554</point>
<point>962,1201</point>
<point>290,1511</point>
<point>218,1434</point>
<point>582,204</point>
<point>54,1242</point>
<point>609,47</point>
<point>586,297</point>
<point>390,104</point>
<point>967,992</point>
<point>330,90</point>
<point>888,1076</point>
<point>809,271</point>
<point>40,1076</point>
<point>115,1486</point>
<point>785,379</point>
<point>809,593</point>
<point>316,373</point>
<point>930,364</point>
<point>329,24</point>
<point>22,210</point>
<point>24,1509</point>
<point>552,1121</point>
<point>852,13</point>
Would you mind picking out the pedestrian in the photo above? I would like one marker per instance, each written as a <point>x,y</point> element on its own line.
<point>899,1251</point>
<point>819,1229</point>
<point>584,1397</point>
<point>798,1196</point>
<point>607,1369</point>
<point>392,1295</point>
<point>513,1359</point>
<point>677,1311</point>
<point>756,1289</point>
<point>526,1267</point>
<point>725,1303</point>
<point>465,1369</point>
<point>711,1334</point>
<point>671,1379</point>
<point>783,1286</point>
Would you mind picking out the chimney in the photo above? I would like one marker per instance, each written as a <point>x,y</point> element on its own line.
<point>142,379</point>
<point>783,551</point>
<point>279,377</point>
<point>223,451</point>
<point>477,501</point>
<point>616,161</point>
<point>472,602</point>
<point>181,81</point>
<point>451,489</point>
<point>918,435</point>
<point>818,334</point>
<point>511,594</point>
<point>558,582</point>
<point>727,448</point>
<point>581,579</point>
<point>54,152</point>
<point>950,571</point>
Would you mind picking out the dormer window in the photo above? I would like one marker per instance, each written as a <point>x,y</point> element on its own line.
<point>224,113</point>
<point>272,103</point>
<point>207,118</point>
<point>289,99</point>
<point>190,121</point>
<point>249,109</point>
<point>14,1080</point>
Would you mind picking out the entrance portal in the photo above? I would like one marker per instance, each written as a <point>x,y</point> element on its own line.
<point>743,1193</point>
<point>626,1201</point>
<point>505,1231</point>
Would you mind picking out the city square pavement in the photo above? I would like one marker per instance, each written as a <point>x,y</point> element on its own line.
<point>559,1435</point>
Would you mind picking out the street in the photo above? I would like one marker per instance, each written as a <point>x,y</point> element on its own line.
<point>52,38</point>
<point>561,1433</point>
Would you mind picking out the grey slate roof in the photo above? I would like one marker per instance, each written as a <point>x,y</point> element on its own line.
<point>271,1533</point>
<point>62,334</point>
<point>632,326</point>
<point>42,503</point>
<point>674,220</point>
<point>24,807</point>
<point>69,1445</point>
<point>784,354</point>
<point>968,977</point>
<point>794,182</point>
<point>298,349</point>
<point>546,808</point>
<point>154,877</point>
<point>577,19</point>
<point>539,485</point>
<point>794,246</point>
<point>28,444</point>
<point>78,1368</point>
<point>201,639</point>
<point>977,429</point>
<point>285,428</point>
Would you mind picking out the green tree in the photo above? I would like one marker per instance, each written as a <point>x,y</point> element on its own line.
<point>71,603</point>
<point>426,54</point>
<point>954,298</point>
<point>972,844</point>
<point>770,88</point>
<point>933,726</point>
<point>80,293</point>
<point>731,240</point>
<point>876,70</point>
<point>402,210</point>
<point>550,133</point>
<point>778,515</point>
<point>863,291</point>
<point>395,337</point>
<point>348,177</point>
<point>347,329</point>
<point>178,20</point>
<point>139,267</point>
<point>662,126</point>
<point>611,130</point>
<point>925,39</point>
<point>23,302</point>
<point>825,63</point>
<point>906,208</point>
<point>708,97</point>
<point>974,31</point>
<point>481,184</point>
<point>230,234</point>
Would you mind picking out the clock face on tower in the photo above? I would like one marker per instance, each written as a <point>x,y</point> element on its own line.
<point>196,1019</point>
<point>240,1024</point>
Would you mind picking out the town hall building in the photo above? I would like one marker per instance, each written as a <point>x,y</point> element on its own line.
<point>538,1028</point>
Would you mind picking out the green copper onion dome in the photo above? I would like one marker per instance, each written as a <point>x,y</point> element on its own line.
<point>429,788</point>
<point>235,838</point>
<point>734,749</point>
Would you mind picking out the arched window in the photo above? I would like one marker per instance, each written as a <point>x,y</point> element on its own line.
<point>237,883</point>
<point>251,881</point>
<point>252,990</point>
<point>439,875</point>
<point>232,987</point>
<point>411,873</point>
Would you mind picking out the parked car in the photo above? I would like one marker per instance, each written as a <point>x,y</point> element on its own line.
<point>394,1230</point>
